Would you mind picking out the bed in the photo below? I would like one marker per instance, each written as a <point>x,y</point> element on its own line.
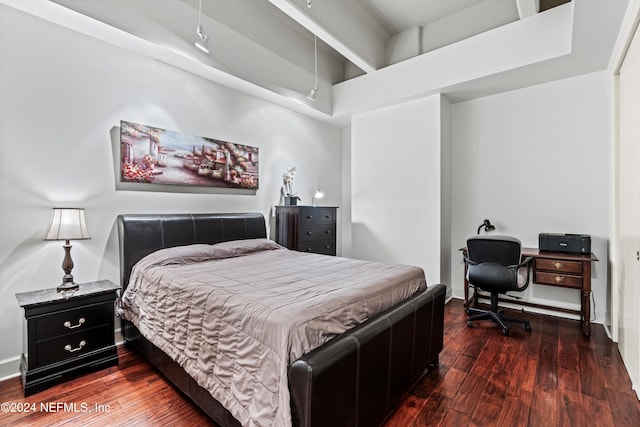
<point>357,377</point>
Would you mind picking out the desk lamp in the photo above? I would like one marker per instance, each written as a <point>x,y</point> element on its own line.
<point>487,226</point>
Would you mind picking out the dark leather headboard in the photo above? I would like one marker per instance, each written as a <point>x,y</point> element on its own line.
<point>141,234</point>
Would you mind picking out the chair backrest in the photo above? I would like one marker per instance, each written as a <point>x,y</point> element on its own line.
<point>504,250</point>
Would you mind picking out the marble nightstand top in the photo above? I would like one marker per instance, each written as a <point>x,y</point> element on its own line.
<point>47,296</point>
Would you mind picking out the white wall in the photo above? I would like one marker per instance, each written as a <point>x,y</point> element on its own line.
<point>396,179</point>
<point>536,160</point>
<point>61,97</point>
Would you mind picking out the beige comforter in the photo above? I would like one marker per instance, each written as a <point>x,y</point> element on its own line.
<point>234,315</point>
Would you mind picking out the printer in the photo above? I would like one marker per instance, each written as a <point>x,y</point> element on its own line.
<point>570,243</point>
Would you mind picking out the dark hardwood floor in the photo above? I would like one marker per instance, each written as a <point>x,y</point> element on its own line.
<point>552,376</point>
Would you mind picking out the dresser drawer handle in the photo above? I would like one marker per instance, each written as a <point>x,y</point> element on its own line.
<point>559,279</point>
<point>309,216</point>
<point>67,324</point>
<point>558,265</point>
<point>309,233</point>
<point>71,350</point>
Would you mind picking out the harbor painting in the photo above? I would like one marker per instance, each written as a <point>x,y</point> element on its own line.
<point>154,155</point>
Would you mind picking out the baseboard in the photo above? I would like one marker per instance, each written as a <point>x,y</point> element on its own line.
<point>9,368</point>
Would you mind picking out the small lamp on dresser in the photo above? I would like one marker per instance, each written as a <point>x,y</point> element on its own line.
<point>319,194</point>
<point>67,224</point>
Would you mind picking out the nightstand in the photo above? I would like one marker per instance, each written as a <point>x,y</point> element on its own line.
<point>67,333</point>
<point>307,228</point>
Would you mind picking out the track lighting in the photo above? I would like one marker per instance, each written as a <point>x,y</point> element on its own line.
<point>314,91</point>
<point>203,39</point>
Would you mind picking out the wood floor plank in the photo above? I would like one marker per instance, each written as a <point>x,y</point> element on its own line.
<point>625,407</point>
<point>551,376</point>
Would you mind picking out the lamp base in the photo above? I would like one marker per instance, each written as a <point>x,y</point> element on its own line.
<point>67,285</point>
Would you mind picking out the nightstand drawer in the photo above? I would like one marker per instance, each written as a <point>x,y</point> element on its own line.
<point>74,344</point>
<point>317,216</point>
<point>559,265</point>
<point>308,234</point>
<point>75,320</point>
<point>556,279</point>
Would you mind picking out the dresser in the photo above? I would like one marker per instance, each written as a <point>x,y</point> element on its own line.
<point>67,333</point>
<point>307,228</point>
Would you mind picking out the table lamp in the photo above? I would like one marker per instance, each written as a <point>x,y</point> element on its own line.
<point>319,194</point>
<point>67,224</point>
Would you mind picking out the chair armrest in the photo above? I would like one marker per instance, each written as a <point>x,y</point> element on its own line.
<point>467,260</point>
<point>525,263</point>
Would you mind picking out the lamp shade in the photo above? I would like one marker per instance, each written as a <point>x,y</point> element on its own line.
<point>67,224</point>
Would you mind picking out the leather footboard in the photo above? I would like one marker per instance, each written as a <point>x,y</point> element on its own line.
<point>358,378</point>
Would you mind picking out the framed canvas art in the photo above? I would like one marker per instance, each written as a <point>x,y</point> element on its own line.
<point>160,156</point>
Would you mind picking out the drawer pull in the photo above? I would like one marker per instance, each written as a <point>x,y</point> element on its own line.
<point>309,233</point>
<point>558,265</point>
<point>67,324</point>
<point>309,216</point>
<point>559,279</point>
<point>71,350</point>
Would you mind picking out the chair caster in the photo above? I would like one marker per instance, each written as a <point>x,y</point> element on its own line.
<point>505,332</point>
<point>469,324</point>
<point>527,327</point>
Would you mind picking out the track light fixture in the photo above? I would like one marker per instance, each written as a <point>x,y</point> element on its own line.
<point>314,91</point>
<point>203,39</point>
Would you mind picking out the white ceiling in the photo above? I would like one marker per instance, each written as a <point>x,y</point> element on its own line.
<point>398,15</point>
<point>265,47</point>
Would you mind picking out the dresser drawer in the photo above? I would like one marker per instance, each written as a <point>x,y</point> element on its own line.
<point>308,233</point>
<point>557,279</point>
<point>559,265</point>
<point>317,216</point>
<point>325,247</point>
<point>73,344</point>
<point>74,320</point>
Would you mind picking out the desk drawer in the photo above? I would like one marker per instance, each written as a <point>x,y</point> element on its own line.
<point>559,265</point>
<point>556,279</point>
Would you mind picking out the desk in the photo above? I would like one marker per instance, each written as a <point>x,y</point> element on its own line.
<point>555,269</point>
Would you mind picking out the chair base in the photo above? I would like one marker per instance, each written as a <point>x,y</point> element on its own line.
<point>495,315</point>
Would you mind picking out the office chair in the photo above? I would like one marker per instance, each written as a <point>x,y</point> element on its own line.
<point>492,265</point>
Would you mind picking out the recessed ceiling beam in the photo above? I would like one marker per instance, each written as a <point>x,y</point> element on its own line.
<point>527,8</point>
<point>360,42</point>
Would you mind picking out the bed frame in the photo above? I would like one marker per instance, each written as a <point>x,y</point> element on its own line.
<point>356,379</point>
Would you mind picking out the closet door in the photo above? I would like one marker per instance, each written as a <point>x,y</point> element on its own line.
<point>629,211</point>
